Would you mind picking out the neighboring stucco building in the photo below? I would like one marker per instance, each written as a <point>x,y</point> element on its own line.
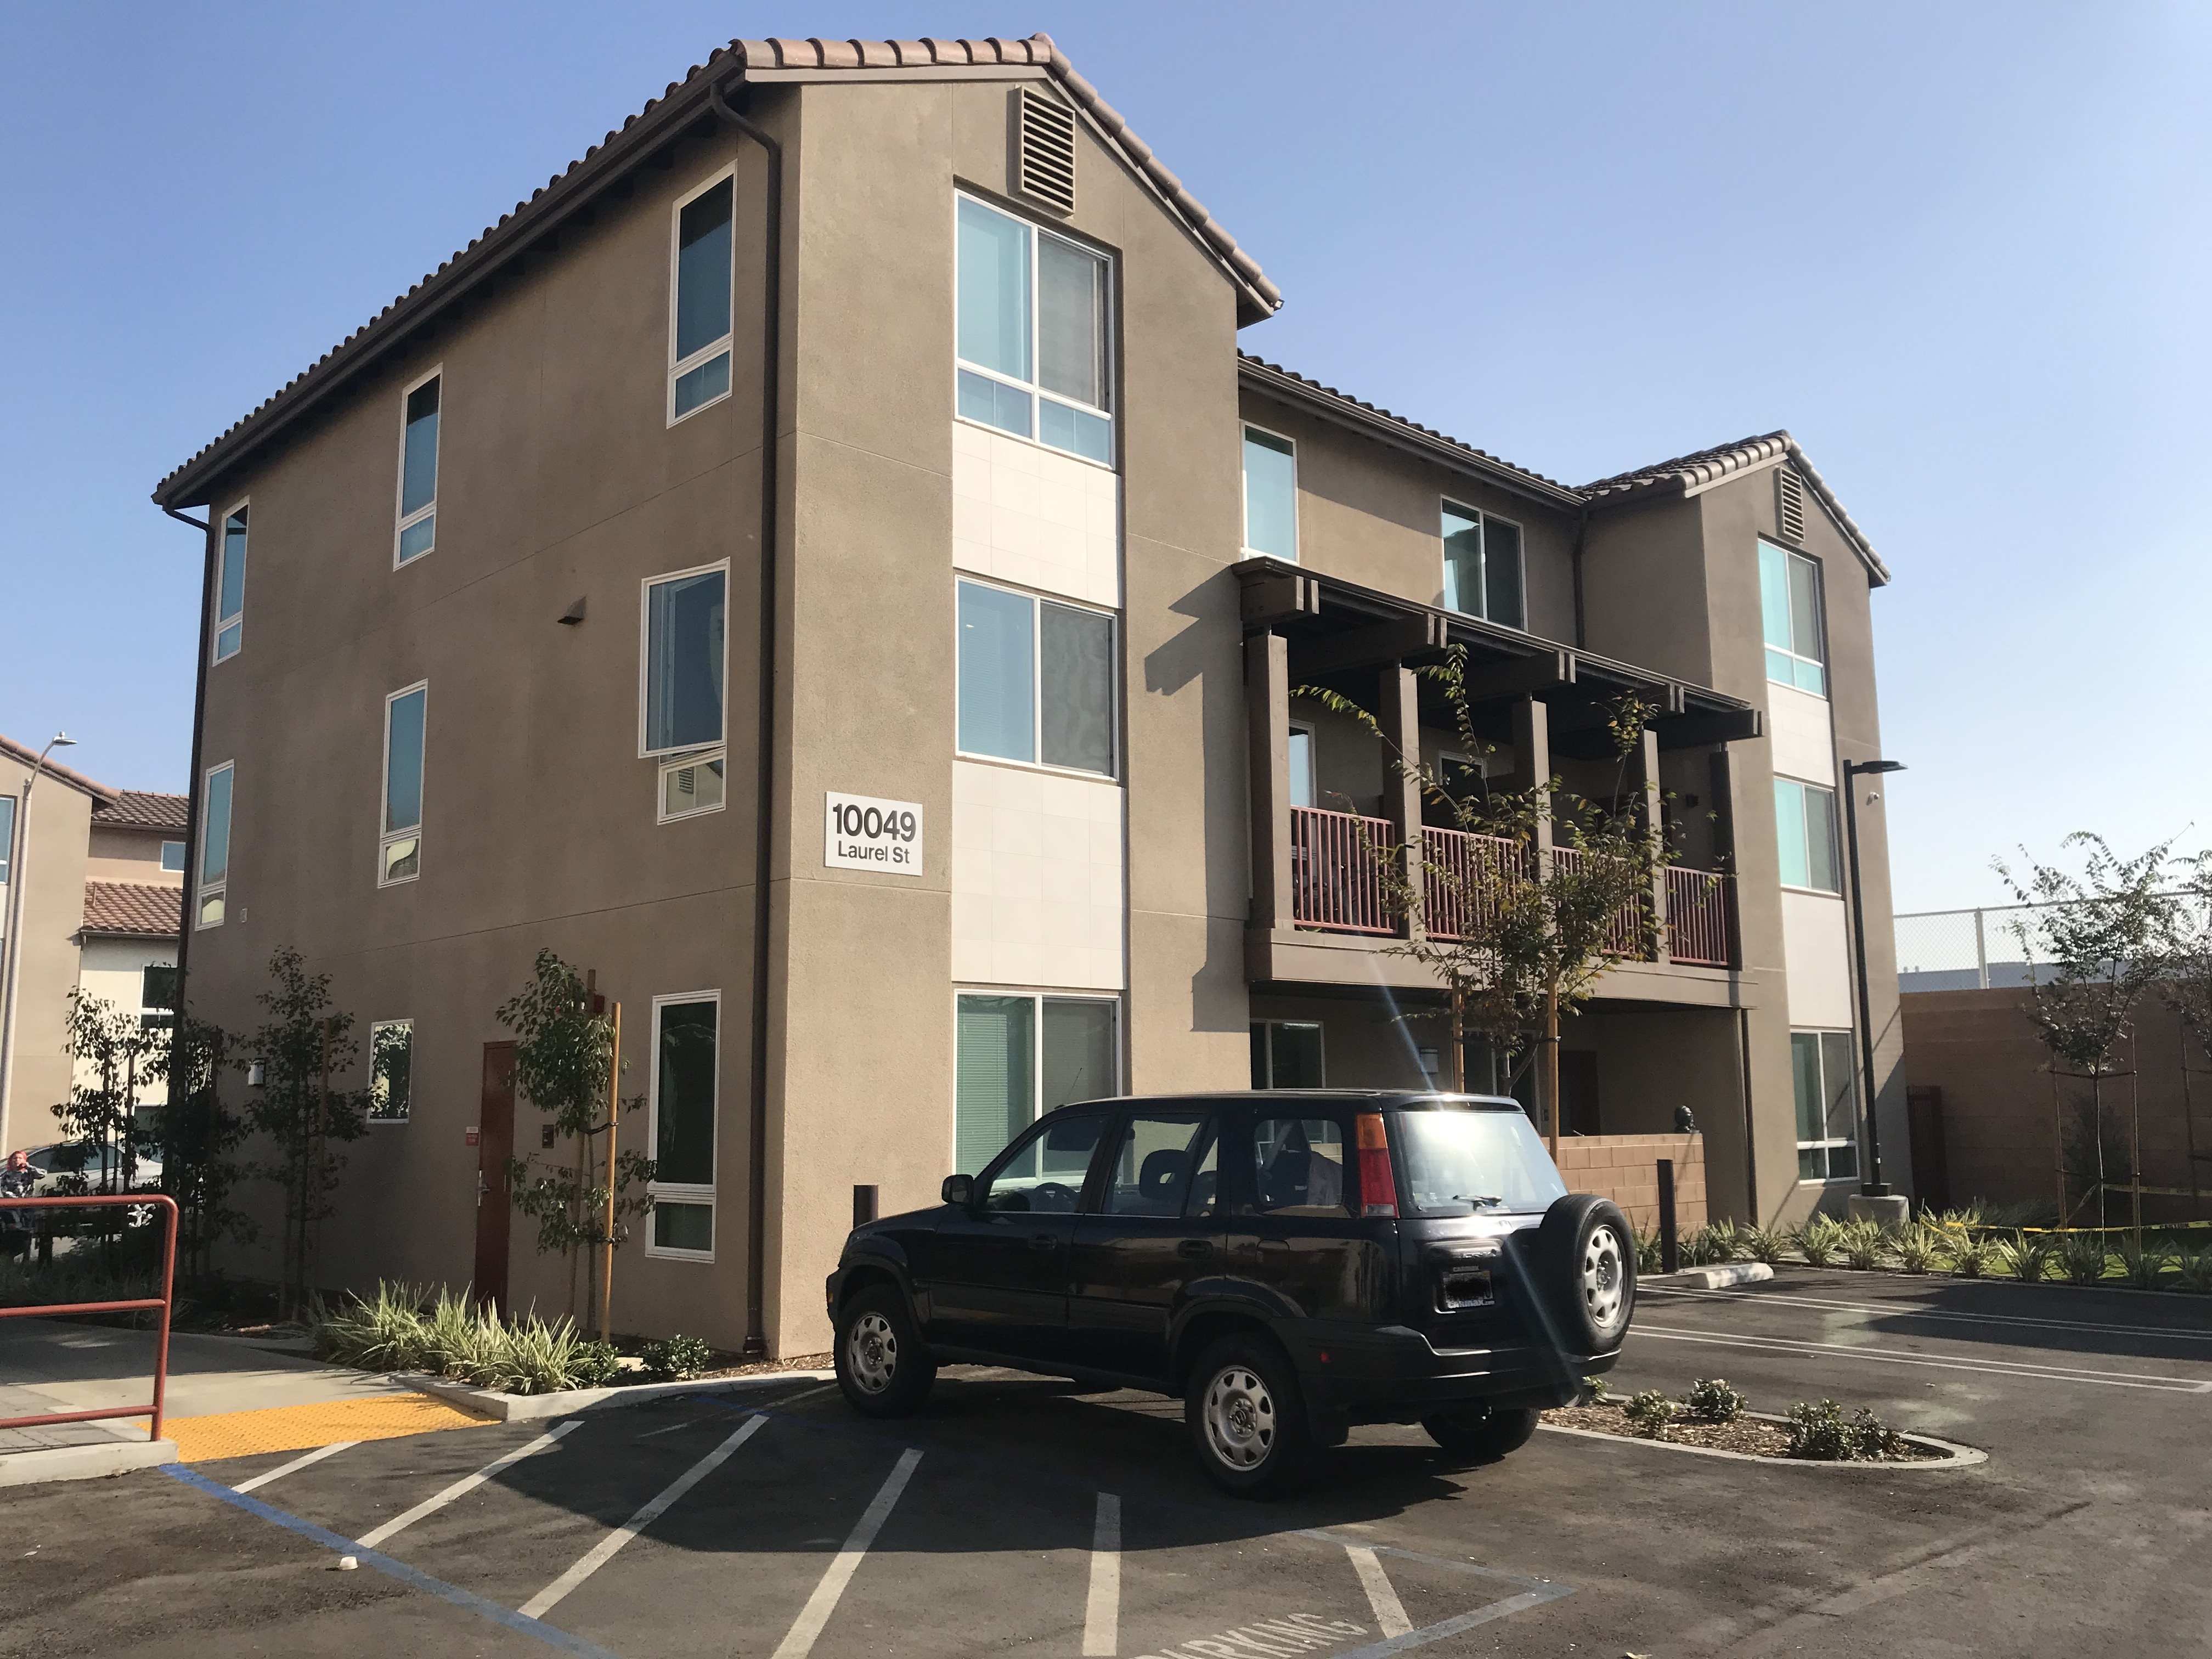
<point>103,880</point>
<point>985,789</point>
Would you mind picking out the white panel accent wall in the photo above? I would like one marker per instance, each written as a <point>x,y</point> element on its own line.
<point>1025,515</point>
<point>1804,743</point>
<point>1816,952</point>
<point>1036,879</point>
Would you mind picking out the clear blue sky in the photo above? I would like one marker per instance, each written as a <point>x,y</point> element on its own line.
<point>1961,251</point>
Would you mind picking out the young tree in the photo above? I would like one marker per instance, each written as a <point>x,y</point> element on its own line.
<point>112,1054</point>
<point>1531,933</point>
<point>2104,934</point>
<point>197,1133</point>
<point>304,1043</point>
<point>564,1056</point>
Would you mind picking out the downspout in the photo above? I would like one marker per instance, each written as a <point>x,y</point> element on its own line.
<point>764,785</point>
<point>1750,1135</point>
<point>189,893</point>
<point>1582,534</point>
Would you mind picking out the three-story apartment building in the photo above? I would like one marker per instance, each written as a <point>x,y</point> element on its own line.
<point>824,564</point>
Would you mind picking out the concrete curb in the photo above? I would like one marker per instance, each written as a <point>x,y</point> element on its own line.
<point>536,1408</point>
<point>1955,1456</point>
<point>1718,1277</point>
<point>25,1469</point>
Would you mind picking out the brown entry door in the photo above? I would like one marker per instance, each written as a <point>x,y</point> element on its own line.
<point>1578,1113</point>
<point>495,1145</point>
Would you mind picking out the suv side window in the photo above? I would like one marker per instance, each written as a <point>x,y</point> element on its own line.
<point>1164,1164</point>
<point>1043,1171</point>
<point>1299,1166</point>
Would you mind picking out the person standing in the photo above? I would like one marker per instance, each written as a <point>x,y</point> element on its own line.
<point>18,1180</point>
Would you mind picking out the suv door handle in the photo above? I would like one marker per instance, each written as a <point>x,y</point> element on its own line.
<point>1196,1249</point>
<point>1044,1241</point>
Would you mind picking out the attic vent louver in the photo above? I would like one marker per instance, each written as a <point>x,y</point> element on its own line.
<point>1044,150</point>
<point>1790,504</point>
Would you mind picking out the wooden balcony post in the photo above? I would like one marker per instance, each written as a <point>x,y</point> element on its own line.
<point>1722,773</point>
<point>1398,711</point>
<point>1267,715</point>
<point>1651,818</point>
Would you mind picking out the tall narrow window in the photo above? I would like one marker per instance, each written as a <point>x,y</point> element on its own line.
<point>418,471</point>
<point>1030,334</point>
<point>680,712</point>
<point>1271,495</point>
<point>700,305</point>
<point>391,1070</point>
<point>1483,574</point>
<point>1826,1086</point>
<point>157,996</point>
<point>1036,680</point>
<point>214,846</point>
<point>399,845</point>
<point>230,586</point>
<point>1302,765</point>
<point>685,1083</point>
<point>1805,836</point>
<point>7,852</point>
<point>1789,617</point>
<point>1286,1053</point>
<point>1018,1055</point>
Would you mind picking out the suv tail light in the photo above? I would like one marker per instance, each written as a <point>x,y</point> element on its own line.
<point>1378,1189</point>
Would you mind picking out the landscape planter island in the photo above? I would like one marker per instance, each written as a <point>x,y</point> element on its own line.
<point>536,1408</point>
<point>1753,1438</point>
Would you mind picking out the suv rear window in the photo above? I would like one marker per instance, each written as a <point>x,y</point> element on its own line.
<point>1461,1159</point>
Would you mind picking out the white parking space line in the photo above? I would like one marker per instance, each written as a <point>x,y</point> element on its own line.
<point>603,1551</point>
<point>468,1483</point>
<point>1102,1611</point>
<point>1922,1310</point>
<point>1389,1613</point>
<point>1806,1349</point>
<point>799,1640</point>
<point>315,1457</point>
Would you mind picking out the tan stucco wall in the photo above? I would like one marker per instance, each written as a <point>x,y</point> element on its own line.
<point>131,855</point>
<point>52,880</point>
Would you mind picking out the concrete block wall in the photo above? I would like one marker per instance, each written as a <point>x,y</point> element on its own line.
<point>1625,1169</point>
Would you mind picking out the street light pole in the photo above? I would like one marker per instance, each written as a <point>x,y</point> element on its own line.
<point>16,864</point>
<point>1871,1185</point>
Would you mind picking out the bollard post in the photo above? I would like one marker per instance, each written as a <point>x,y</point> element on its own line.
<point>1670,1251</point>
<point>864,1205</point>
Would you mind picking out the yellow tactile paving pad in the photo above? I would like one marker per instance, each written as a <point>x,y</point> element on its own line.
<point>302,1428</point>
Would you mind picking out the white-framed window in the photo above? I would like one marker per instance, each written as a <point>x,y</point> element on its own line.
<point>1805,836</point>
<point>702,274</point>
<point>1017,1054</point>
<point>391,1070</point>
<point>172,858</point>
<point>417,531</point>
<point>1483,574</point>
<point>214,885</point>
<point>399,843</point>
<point>1031,333</point>
<point>686,1081</point>
<point>7,853</point>
<point>1304,789</point>
<point>230,587</point>
<point>1271,493</point>
<point>682,660</point>
<point>1286,1053</point>
<point>1036,680</point>
<point>1789,618</point>
<point>1826,1086</point>
<point>157,996</point>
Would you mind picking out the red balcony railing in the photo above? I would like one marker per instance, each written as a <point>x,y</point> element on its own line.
<point>1697,917</point>
<point>1333,881</point>
<point>1623,934</point>
<point>1459,898</point>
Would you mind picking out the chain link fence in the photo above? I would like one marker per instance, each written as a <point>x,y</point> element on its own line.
<point>1967,950</point>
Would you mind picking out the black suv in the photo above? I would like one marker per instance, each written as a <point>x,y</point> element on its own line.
<point>1291,1263</point>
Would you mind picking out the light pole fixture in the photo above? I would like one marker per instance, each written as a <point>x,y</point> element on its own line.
<point>1871,1185</point>
<point>20,857</point>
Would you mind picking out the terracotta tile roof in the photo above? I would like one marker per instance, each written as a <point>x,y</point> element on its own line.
<point>604,164</point>
<point>132,909</point>
<point>69,775</point>
<point>1259,373</point>
<point>1687,475</point>
<point>143,809</point>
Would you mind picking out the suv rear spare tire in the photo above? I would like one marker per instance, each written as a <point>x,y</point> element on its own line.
<point>1585,1259</point>
<point>1248,1419</point>
<point>882,1369</point>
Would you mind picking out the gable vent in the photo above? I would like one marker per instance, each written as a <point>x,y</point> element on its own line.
<point>1044,150</point>
<point>1791,503</point>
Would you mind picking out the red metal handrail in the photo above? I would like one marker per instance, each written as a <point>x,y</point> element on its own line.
<point>166,1302</point>
<point>1624,929</point>
<point>1334,884</point>
<point>1461,868</point>
<point>1697,917</point>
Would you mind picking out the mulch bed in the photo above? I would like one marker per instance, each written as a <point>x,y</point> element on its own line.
<point>1754,1435</point>
<point>797,1362</point>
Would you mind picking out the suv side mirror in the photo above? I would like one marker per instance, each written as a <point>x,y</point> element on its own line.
<point>958,1190</point>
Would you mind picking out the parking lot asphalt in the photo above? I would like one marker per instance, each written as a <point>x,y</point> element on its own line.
<point>1015,1515</point>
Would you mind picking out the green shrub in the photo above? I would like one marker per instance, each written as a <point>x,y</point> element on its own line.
<point>1971,1257</point>
<point>1651,1411</point>
<point>1916,1248</point>
<point>2145,1265</point>
<point>1767,1244</point>
<point>1817,1241</point>
<point>1711,1400</point>
<point>677,1358</point>
<point>407,1327</point>
<point>1862,1244</point>
<point>2026,1256</point>
<point>1596,1389</point>
<point>2195,1268</point>
<point>2081,1257</point>
<point>1823,1433</point>
<point>1647,1251</point>
<point>594,1365</point>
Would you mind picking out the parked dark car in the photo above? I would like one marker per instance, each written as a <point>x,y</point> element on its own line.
<point>1289,1263</point>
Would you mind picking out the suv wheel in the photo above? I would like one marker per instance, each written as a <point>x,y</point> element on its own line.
<point>1481,1434</point>
<point>882,1367</point>
<point>1589,1264</point>
<point>1247,1418</point>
